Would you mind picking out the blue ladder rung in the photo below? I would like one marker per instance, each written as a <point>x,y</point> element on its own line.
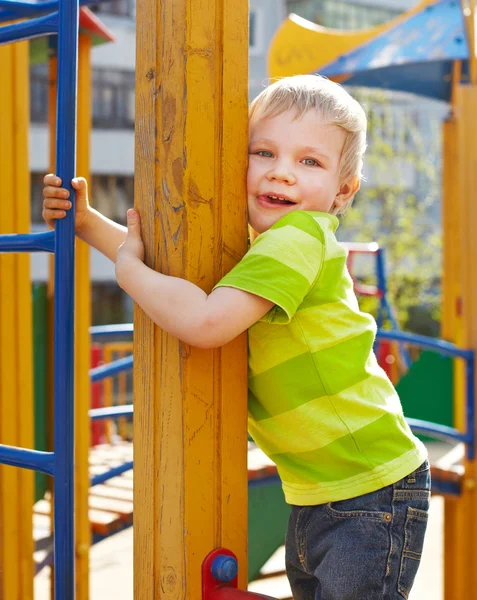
<point>13,9</point>
<point>442,432</point>
<point>28,242</point>
<point>111,412</point>
<point>114,472</point>
<point>29,29</point>
<point>111,369</point>
<point>28,459</point>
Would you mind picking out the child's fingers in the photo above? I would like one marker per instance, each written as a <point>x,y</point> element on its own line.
<point>51,215</point>
<point>79,183</point>
<point>54,203</point>
<point>52,179</point>
<point>55,192</point>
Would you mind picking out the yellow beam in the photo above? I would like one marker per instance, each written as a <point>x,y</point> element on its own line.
<point>16,369</point>
<point>460,531</point>
<point>82,337</point>
<point>23,305</point>
<point>190,404</point>
<point>300,46</point>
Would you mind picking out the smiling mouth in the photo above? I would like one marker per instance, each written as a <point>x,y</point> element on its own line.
<point>280,200</point>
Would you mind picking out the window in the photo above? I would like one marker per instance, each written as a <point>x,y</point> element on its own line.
<point>113,97</point>
<point>339,14</point>
<point>121,8</point>
<point>255,39</point>
<point>39,93</point>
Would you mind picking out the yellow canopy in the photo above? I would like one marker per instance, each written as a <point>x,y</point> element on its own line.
<point>301,47</point>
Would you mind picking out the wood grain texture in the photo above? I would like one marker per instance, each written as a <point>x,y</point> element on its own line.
<point>460,254</point>
<point>190,404</point>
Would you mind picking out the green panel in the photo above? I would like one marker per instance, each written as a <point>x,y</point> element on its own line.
<point>40,331</point>
<point>267,524</point>
<point>426,391</point>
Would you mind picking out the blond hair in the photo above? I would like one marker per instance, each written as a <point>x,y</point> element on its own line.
<point>335,105</point>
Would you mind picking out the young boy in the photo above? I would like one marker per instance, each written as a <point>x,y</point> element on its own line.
<point>319,404</point>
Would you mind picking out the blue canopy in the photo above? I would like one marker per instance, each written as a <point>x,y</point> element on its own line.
<point>414,56</point>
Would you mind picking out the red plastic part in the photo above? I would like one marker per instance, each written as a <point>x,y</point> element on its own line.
<point>217,590</point>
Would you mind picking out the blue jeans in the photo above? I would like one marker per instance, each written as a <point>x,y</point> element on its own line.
<point>365,548</point>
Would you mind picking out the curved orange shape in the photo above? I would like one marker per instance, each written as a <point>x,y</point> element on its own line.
<point>300,46</point>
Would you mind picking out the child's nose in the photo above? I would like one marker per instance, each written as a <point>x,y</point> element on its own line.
<point>281,172</point>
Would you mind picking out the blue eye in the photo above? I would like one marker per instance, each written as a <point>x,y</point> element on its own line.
<point>310,162</point>
<point>265,153</point>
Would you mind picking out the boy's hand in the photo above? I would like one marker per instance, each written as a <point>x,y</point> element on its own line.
<point>56,203</point>
<point>133,246</point>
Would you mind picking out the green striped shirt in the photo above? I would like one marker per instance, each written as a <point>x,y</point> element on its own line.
<point>320,406</point>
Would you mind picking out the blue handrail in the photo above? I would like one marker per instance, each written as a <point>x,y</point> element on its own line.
<point>446,349</point>
<point>28,242</point>
<point>64,304</point>
<point>111,369</point>
<point>29,29</point>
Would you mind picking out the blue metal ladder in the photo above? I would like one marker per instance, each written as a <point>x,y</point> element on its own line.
<point>60,463</point>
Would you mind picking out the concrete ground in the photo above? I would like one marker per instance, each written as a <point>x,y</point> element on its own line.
<point>112,564</point>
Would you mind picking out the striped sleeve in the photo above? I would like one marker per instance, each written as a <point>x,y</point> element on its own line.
<point>282,265</point>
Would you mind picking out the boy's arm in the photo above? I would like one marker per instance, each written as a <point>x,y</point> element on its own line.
<point>102,233</point>
<point>180,307</point>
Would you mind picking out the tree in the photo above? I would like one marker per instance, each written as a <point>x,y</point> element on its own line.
<point>399,205</point>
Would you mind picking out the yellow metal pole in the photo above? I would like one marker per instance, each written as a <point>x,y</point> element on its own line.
<point>16,369</point>
<point>9,491</point>
<point>82,336</point>
<point>24,319</point>
<point>190,404</point>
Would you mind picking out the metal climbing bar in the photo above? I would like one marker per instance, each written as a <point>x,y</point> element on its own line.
<point>12,9</point>
<point>446,349</point>
<point>27,30</point>
<point>109,370</point>
<point>28,242</point>
<point>28,459</point>
<point>64,304</point>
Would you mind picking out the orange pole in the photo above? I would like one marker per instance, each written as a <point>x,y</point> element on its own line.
<point>82,337</point>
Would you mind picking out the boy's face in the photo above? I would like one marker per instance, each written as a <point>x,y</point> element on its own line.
<point>293,165</point>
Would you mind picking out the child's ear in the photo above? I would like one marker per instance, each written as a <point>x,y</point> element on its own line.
<point>346,192</point>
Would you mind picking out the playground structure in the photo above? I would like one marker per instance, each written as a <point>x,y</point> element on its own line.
<point>199,395</point>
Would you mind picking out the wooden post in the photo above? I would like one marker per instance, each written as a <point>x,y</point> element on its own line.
<point>460,254</point>
<point>190,404</point>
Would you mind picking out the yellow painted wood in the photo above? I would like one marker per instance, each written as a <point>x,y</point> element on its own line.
<point>10,572</point>
<point>23,314</point>
<point>460,530</point>
<point>82,336</point>
<point>190,404</point>
<point>300,46</point>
